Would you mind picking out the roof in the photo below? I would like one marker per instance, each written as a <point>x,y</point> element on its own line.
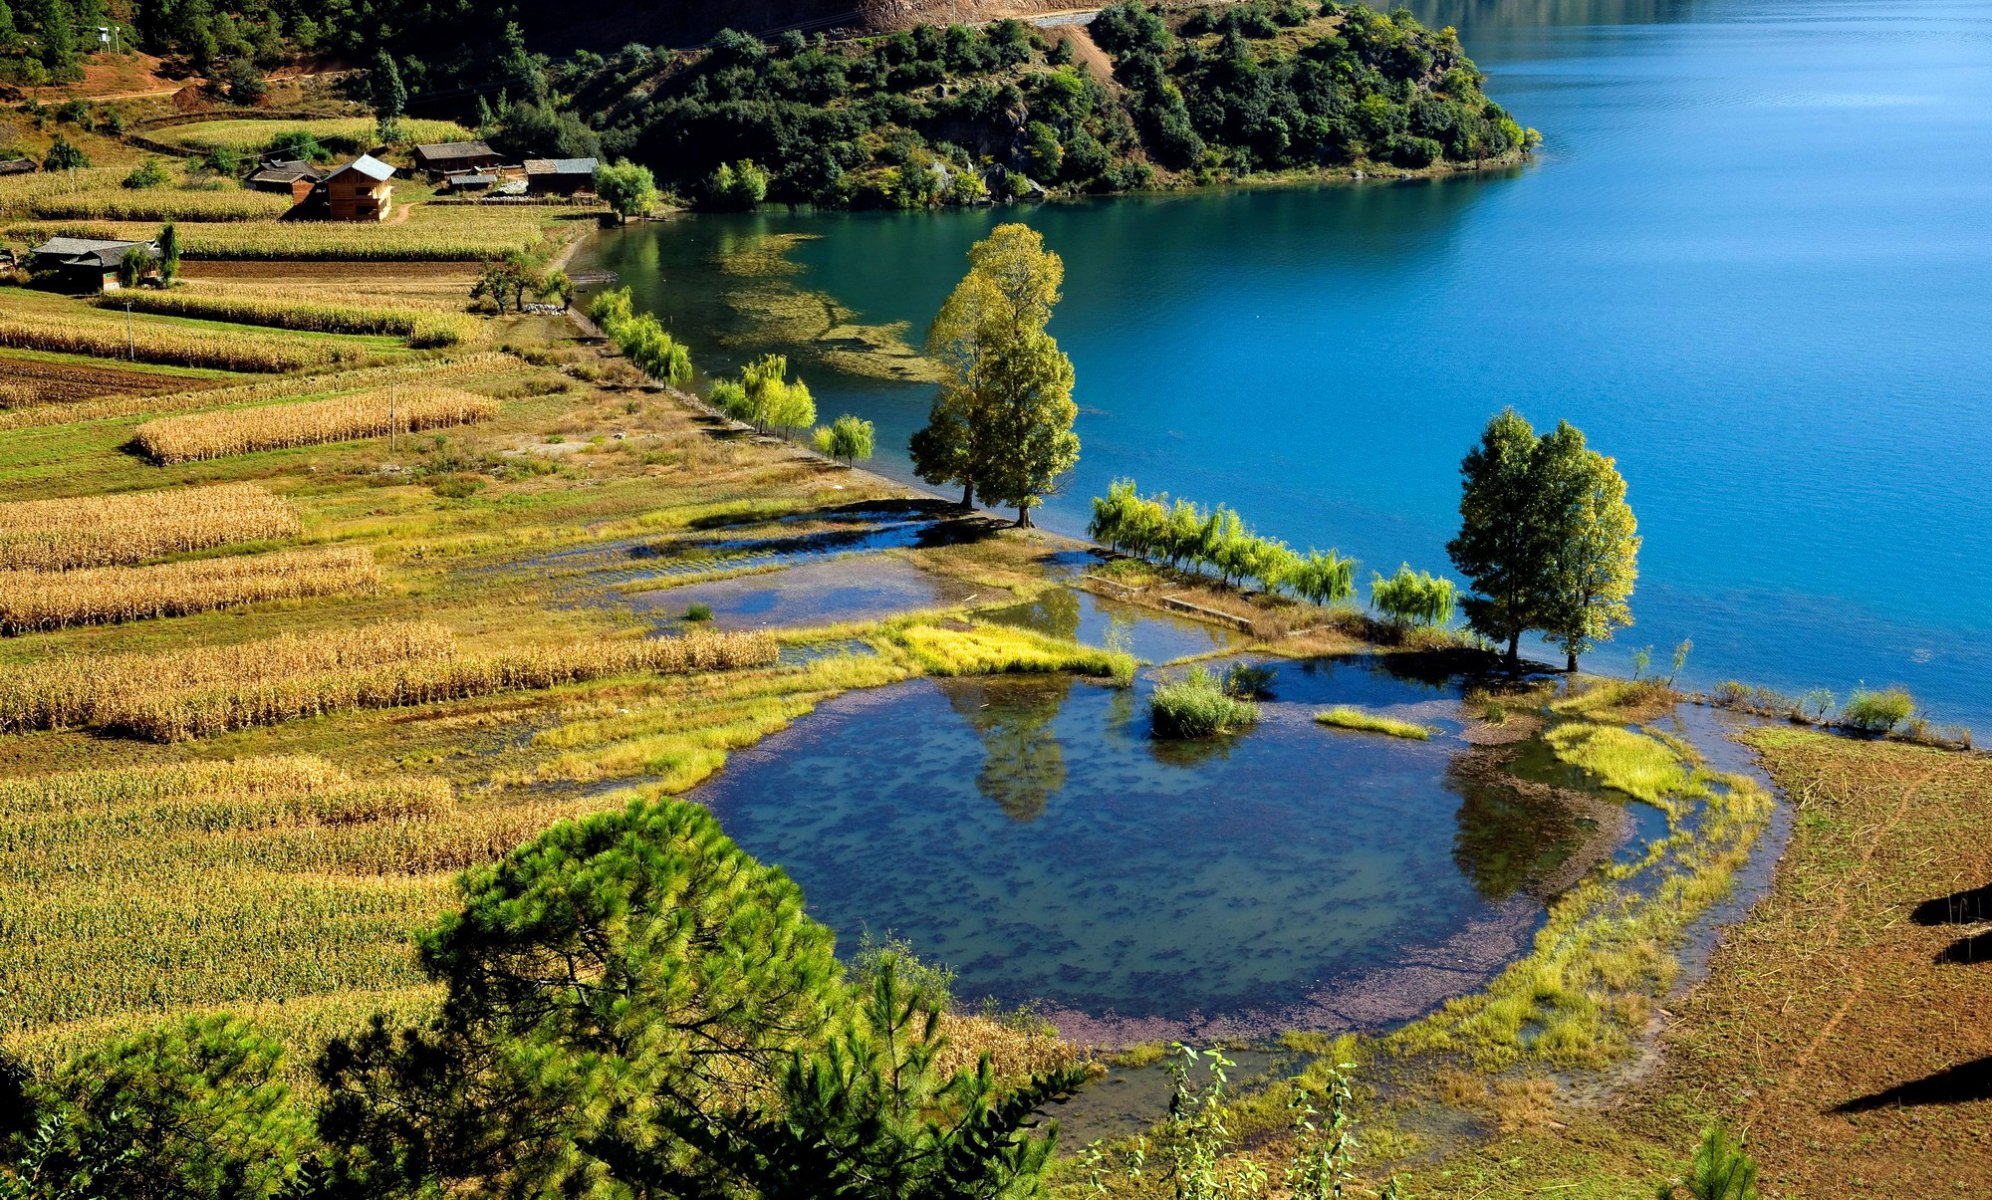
<point>88,252</point>
<point>560,166</point>
<point>17,166</point>
<point>286,171</point>
<point>367,165</point>
<point>456,150</point>
<point>472,179</point>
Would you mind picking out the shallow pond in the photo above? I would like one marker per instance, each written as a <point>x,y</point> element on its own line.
<point>1148,634</point>
<point>856,588</point>
<point>1030,833</point>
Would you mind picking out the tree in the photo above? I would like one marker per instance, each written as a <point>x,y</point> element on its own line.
<point>62,156</point>
<point>848,438</point>
<point>627,188</point>
<point>766,397</point>
<point>389,96</point>
<point>737,186</point>
<point>1501,548</point>
<point>246,84</point>
<point>196,1110</point>
<point>169,254</point>
<point>1002,424</point>
<point>132,265</point>
<point>606,987</point>
<point>507,280</point>
<point>297,144</point>
<point>148,174</point>
<point>555,285</point>
<point>1596,559</point>
<point>1721,1171</point>
<point>1414,598</point>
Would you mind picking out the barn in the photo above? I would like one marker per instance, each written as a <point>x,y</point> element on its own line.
<point>84,264</point>
<point>455,158</point>
<point>559,176</point>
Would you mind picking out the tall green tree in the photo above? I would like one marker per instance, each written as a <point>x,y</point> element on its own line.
<point>604,985</point>
<point>388,94</point>
<point>1002,424</point>
<point>1502,548</point>
<point>627,188</point>
<point>1596,544</point>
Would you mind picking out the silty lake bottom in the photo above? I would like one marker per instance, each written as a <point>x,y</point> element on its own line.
<point>1032,834</point>
<point>1749,262</point>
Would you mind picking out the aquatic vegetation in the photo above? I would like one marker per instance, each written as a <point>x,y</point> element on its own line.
<point>40,600</point>
<point>92,531</point>
<point>1197,706</point>
<point>197,436</point>
<point>982,649</point>
<point>1640,766</point>
<point>1357,719</point>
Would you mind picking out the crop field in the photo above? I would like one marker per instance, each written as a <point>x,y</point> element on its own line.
<point>459,234</point>
<point>42,600</point>
<point>344,135</point>
<point>424,325</point>
<point>197,436</point>
<point>32,379</point>
<point>98,194</point>
<point>79,329</point>
<point>92,531</point>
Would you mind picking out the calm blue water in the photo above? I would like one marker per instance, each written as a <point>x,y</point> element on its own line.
<point>1751,263</point>
<point>1035,837</point>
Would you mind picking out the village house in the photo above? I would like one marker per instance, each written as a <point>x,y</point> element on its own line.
<point>281,175</point>
<point>18,166</point>
<point>559,176</point>
<point>85,264</point>
<point>358,191</point>
<point>452,158</point>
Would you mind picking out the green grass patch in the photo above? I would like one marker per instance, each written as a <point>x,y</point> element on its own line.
<point>1640,766</point>
<point>1197,706</point>
<point>1345,717</point>
<point>977,649</point>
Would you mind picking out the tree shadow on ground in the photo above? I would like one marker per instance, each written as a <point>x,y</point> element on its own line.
<point>1961,1084</point>
<point>1974,949</point>
<point>1959,908</point>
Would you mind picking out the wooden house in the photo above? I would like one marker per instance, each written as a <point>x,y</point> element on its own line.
<point>84,264</point>
<point>358,191</point>
<point>282,175</point>
<point>559,176</point>
<point>455,158</point>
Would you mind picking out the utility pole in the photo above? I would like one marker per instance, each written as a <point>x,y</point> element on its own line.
<point>393,394</point>
<point>131,343</point>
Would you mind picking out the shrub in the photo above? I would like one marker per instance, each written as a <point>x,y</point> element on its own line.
<point>1197,706</point>
<point>1878,711</point>
<point>148,174</point>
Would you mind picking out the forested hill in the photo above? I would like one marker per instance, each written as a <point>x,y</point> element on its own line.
<point>1149,98</point>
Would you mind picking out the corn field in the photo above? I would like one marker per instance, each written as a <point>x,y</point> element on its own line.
<point>340,134</point>
<point>438,235</point>
<point>98,194</point>
<point>92,531</point>
<point>411,374</point>
<point>424,326</point>
<point>237,703</point>
<point>106,335</point>
<point>155,889</point>
<point>32,601</point>
<point>73,691</point>
<point>197,436</point>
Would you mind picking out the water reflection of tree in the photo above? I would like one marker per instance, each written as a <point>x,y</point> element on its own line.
<point>1023,764</point>
<point>1505,839</point>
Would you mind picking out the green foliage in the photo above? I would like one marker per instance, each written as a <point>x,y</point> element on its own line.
<point>169,254</point>
<point>628,189</point>
<point>1184,535</point>
<point>1414,598</point>
<point>195,1110</point>
<point>699,612</point>
<point>765,397</point>
<point>931,984</point>
<point>1357,719</point>
<point>1197,706</point>
<point>616,986</point>
<point>132,265</point>
<point>849,438</point>
<point>736,186</point>
<point>1002,423</point>
<point>297,144</point>
<point>1546,539</point>
<point>148,174</point>
<point>1878,711</point>
<point>385,89</point>
<point>641,337</point>
<point>64,156</point>
<point>246,84</point>
<point>1720,1171</point>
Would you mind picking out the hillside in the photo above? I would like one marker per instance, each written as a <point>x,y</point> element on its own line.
<point>949,115</point>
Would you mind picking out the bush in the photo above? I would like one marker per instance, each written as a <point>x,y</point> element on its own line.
<point>1879,712</point>
<point>1411,598</point>
<point>1197,706</point>
<point>148,174</point>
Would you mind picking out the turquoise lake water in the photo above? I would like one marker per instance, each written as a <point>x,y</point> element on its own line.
<point>1751,262</point>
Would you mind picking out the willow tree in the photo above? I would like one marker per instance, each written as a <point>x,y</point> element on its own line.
<point>1002,424</point>
<point>1597,540</point>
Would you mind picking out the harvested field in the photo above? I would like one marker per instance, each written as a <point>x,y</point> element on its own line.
<point>342,135</point>
<point>31,601</point>
<point>197,436</point>
<point>444,235</point>
<point>30,381</point>
<point>91,531</point>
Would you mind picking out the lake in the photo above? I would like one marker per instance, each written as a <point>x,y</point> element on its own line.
<point>1750,262</point>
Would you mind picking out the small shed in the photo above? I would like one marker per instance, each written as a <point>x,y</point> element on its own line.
<point>559,176</point>
<point>451,158</point>
<point>471,181</point>
<point>358,191</point>
<point>85,264</point>
<point>279,175</point>
<point>18,166</point>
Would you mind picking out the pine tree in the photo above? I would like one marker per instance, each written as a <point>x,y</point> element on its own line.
<point>389,95</point>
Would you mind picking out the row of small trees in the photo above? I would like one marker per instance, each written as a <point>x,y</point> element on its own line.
<point>643,338</point>
<point>1217,540</point>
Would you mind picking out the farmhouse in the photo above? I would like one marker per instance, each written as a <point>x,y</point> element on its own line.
<point>450,158</point>
<point>18,166</point>
<point>471,181</point>
<point>84,264</point>
<point>281,175</point>
<point>358,191</point>
<point>559,176</point>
